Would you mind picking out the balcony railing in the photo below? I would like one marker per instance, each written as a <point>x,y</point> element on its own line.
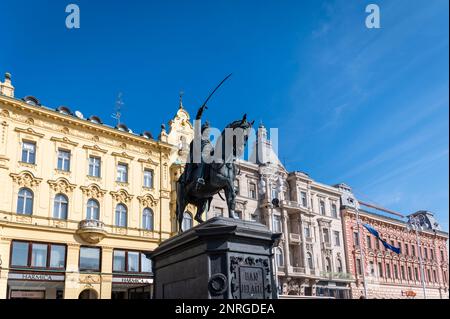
<point>91,230</point>
<point>299,270</point>
<point>336,275</point>
<point>91,224</point>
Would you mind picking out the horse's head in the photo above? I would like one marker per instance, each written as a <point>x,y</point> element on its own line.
<point>236,136</point>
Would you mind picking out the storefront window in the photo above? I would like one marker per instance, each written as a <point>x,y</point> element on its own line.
<point>146,263</point>
<point>133,262</point>
<point>19,254</point>
<point>119,260</point>
<point>39,255</point>
<point>89,259</point>
<point>57,256</point>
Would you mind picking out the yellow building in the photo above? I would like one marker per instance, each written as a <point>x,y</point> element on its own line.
<point>81,203</point>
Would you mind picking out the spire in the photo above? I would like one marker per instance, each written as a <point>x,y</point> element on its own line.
<point>181,99</point>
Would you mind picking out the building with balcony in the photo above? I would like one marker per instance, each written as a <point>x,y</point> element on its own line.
<point>81,203</point>
<point>390,275</point>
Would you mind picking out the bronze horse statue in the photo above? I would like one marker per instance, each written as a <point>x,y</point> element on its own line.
<point>220,173</point>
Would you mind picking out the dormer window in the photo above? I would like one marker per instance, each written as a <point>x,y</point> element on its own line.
<point>31,100</point>
<point>122,127</point>
<point>147,135</point>
<point>95,119</point>
<point>64,110</point>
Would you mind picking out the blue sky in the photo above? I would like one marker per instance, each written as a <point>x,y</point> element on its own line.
<point>365,106</point>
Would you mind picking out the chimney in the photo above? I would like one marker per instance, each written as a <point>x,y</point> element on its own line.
<point>6,87</point>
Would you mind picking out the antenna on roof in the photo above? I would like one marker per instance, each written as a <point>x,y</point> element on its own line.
<point>118,108</point>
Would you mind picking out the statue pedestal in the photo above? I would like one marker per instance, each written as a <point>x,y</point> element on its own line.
<point>222,258</point>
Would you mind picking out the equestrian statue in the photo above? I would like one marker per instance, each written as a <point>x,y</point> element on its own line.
<point>211,169</point>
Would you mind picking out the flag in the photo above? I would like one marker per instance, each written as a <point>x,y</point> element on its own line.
<point>374,232</point>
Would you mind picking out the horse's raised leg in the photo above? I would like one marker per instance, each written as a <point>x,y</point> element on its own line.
<point>200,209</point>
<point>230,196</point>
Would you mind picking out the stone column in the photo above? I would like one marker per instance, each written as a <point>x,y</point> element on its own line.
<point>303,243</point>
<point>106,277</point>
<point>71,285</point>
<point>286,240</point>
<point>5,244</point>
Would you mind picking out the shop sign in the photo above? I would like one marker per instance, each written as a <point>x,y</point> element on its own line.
<point>132,280</point>
<point>35,277</point>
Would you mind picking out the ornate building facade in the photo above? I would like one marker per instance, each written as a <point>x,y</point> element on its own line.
<point>390,275</point>
<point>81,203</point>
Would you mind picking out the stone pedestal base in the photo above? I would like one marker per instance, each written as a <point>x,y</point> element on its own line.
<point>222,258</point>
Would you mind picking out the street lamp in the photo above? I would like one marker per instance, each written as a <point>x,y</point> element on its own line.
<point>415,223</point>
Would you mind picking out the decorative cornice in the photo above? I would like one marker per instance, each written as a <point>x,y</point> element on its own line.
<point>148,161</point>
<point>64,140</point>
<point>148,200</point>
<point>61,185</point>
<point>25,179</point>
<point>95,148</point>
<point>121,196</point>
<point>93,191</point>
<point>123,154</point>
<point>29,131</point>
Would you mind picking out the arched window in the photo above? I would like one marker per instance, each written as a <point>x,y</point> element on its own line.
<point>92,210</point>
<point>121,215</point>
<point>328,264</point>
<point>339,265</point>
<point>279,257</point>
<point>25,202</point>
<point>147,219</point>
<point>187,221</point>
<point>310,260</point>
<point>60,206</point>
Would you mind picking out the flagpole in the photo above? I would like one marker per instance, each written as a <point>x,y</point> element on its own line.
<point>363,268</point>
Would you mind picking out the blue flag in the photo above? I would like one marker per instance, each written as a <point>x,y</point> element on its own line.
<point>374,232</point>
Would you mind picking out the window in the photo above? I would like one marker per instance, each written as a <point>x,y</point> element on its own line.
<point>252,190</point>
<point>388,270</point>
<point>122,173</point>
<point>406,249</point>
<point>416,272</point>
<point>19,254</point>
<point>279,257</point>
<point>310,260</point>
<point>148,178</point>
<point>147,219</point>
<point>339,265</point>
<point>431,254</point>
<point>328,264</point>
<point>380,270</point>
<point>377,244</point>
<point>187,221</point>
<point>57,256</point>
<point>274,193</point>
<point>334,211</point>
<point>276,223</point>
<point>60,206</point>
<point>218,211</point>
<point>92,210</point>
<point>307,231</point>
<point>395,271</point>
<point>434,276</point>
<point>326,235</point>
<point>372,268</point>
<point>410,276</point>
<point>356,239</point>
<point>29,152</point>
<point>413,250</point>
<point>238,214</point>
<point>322,207</point>
<point>337,240</point>
<point>402,269</point>
<point>38,255</point>
<point>25,202</point>
<point>429,275</point>
<point>131,261</point>
<point>121,215</point>
<point>94,166</point>
<point>89,259</point>
<point>369,242</point>
<point>425,251</point>
<point>358,267</point>
<point>303,199</point>
<point>64,160</point>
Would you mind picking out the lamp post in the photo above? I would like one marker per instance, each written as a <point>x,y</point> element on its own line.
<point>414,223</point>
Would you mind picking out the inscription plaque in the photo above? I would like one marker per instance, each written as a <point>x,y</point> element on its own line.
<point>251,282</point>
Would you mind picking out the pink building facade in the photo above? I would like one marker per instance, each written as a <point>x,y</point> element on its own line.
<point>390,275</point>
